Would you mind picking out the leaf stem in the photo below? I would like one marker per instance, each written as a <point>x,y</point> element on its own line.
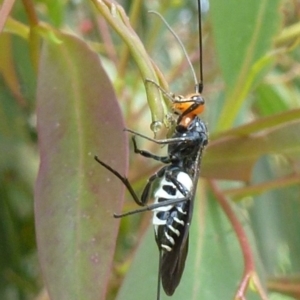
<point>29,8</point>
<point>115,15</point>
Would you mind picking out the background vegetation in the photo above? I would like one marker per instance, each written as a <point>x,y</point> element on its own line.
<point>59,109</point>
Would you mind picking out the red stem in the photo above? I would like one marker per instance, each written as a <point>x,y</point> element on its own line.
<point>249,266</point>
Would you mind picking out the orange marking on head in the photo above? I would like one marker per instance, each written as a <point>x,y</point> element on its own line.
<point>184,103</point>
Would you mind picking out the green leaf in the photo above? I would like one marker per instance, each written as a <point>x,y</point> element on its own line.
<point>78,117</point>
<point>243,35</point>
<point>270,99</point>
<point>277,230</point>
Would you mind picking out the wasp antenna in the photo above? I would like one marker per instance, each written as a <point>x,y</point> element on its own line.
<point>180,43</point>
<point>199,85</point>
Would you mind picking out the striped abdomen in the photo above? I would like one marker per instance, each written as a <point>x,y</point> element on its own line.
<point>169,221</point>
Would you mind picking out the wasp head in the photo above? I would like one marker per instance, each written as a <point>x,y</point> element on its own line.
<point>188,107</point>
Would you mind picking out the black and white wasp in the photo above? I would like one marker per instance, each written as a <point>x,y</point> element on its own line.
<point>174,197</point>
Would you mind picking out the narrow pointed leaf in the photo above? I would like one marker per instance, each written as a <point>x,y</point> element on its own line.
<point>78,117</point>
<point>243,35</point>
<point>233,157</point>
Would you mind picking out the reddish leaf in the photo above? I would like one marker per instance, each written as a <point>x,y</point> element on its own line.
<point>78,117</point>
<point>233,157</point>
<point>5,10</point>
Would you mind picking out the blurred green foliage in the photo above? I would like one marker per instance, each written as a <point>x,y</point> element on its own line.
<point>251,74</point>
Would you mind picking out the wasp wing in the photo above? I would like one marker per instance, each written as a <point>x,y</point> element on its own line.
<point>173,262</point>
<point>172,266</point>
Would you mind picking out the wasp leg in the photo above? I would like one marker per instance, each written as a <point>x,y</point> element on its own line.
<point>164,159</point>
<point>160,142</point>
<point>123,179</point>
<point>170,96</point>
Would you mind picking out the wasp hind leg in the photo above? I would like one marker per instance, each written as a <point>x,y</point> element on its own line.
<point>124,180</point>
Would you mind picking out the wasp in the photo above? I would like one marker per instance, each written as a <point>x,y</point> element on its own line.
<point>177,181</point>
